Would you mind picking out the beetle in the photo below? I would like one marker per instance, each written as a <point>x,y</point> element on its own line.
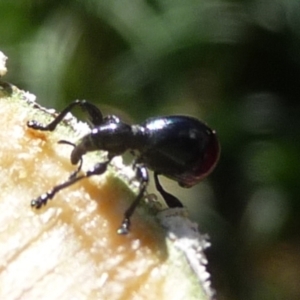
<point>179,147</point>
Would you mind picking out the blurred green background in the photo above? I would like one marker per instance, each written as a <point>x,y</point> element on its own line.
<point>234,64</point>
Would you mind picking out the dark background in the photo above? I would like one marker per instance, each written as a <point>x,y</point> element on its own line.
<point>235,65</point>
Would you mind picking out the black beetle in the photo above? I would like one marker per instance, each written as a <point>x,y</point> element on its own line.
<point>179,147</point>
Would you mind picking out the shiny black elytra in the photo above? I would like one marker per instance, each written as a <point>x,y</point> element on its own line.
<point>179,147</point>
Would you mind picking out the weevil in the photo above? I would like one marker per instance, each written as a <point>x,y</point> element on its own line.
<point>179,147</point>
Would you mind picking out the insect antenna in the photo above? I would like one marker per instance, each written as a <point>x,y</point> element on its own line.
<point>75,173</point>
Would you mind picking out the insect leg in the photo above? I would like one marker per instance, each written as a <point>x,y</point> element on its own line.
<point>171,200</point>
<point>142,175</point>
<point>98,169</point>
<point>94,113</point>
